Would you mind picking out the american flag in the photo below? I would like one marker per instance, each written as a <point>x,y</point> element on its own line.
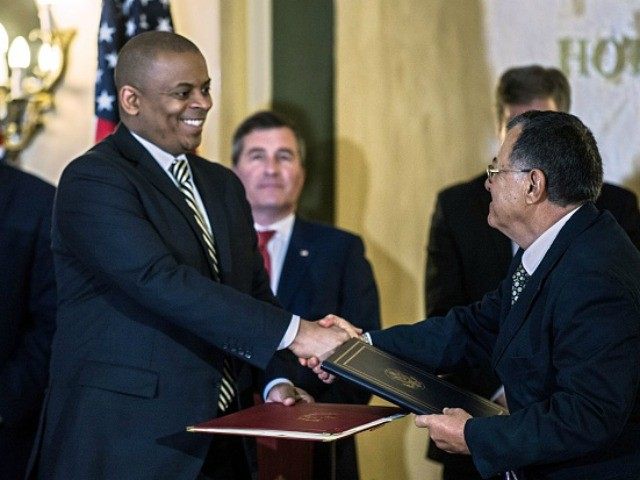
<point>119,21</point>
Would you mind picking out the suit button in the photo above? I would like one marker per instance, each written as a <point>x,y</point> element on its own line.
<point>247,355</point>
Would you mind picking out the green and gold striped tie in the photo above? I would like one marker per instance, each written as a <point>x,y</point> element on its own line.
<point>181,172</point>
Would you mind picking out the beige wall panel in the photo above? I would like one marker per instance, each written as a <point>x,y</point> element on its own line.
<point>414,114</point>
<point>233,104</point>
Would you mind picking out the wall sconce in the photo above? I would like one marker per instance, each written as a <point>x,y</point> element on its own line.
<point>26,93</point>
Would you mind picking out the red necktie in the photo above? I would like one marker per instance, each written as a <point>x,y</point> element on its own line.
<point>263,239</point>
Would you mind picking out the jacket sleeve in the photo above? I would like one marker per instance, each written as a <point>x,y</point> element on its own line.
<point>23,377</point>
<point>443,284</point>
<point>465,336</point>
<point>102,219</point>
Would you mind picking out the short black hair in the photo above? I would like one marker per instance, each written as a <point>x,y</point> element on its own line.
<point>138,54</point>
<point>521,85</point>
<point>560,145</point>
<point>264,120</point>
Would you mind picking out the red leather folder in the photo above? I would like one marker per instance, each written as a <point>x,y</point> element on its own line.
<point>323,422</point>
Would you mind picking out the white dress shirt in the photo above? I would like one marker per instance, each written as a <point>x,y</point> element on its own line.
<point>533,255</point>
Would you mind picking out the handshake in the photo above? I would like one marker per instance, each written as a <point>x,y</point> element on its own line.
<point>317,338</point>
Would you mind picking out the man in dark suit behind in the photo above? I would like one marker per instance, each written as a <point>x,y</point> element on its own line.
<point>27,312</point>
<point>467,258</point>
<point>315,268</point>
<point>164,304</point>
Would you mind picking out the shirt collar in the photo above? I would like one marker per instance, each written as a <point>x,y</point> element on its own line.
<point>282,227</point>
<point>533,255</point>
<point>164,159</point>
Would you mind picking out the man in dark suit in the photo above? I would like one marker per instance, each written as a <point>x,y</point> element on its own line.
<point>562,330</point>
<point>467,258</point>
<point>315,268</point>
<point>164,304</point>
<point>27,312</point>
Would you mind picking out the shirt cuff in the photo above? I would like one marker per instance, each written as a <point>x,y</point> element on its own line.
<point>498,393</point>
<point>290,334</point>
<point>365,337</point>
<point>273,383</point>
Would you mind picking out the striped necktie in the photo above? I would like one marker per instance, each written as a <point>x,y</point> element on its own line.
<point>181,172</point>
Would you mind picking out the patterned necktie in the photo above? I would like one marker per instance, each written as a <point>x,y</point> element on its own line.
<point>180,171</point>
<point>263,240</point>
<point>519,280</point>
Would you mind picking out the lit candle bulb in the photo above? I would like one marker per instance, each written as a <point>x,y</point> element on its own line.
<point>19,60</point>
<point>4,46</point>
<point>46,60</point>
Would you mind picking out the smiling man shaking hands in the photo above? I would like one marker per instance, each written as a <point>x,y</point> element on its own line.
<point>165,308</point>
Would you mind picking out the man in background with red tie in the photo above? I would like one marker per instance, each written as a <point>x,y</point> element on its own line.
<point>314,269</point>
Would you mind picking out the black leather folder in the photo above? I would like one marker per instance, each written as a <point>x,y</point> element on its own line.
<point>402,383</point>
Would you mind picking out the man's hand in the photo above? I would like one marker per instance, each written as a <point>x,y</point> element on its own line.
<point>313,339</point>
<point>447,430</point>
<point>315,364</point>
<point>288,394</point>
<point>334,320</point>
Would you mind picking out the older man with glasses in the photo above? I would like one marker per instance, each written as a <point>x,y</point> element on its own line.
<point>562,330</point>
<point>467,258</point>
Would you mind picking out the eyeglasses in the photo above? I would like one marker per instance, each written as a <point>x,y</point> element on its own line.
<point>493,171</point>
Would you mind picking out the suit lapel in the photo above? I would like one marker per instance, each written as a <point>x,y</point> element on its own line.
<point>514,316</point>
<point>213,199</point>
<point>135,153</point>
<point>300,254</point>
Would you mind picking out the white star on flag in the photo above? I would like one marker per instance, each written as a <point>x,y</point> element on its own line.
<point>106,33</point>
<point>105,101</point>
<point>131,28</point>
<point>164,25</point>
<point>144,25</point>
<point>112,59</point>
<point>126,6</point>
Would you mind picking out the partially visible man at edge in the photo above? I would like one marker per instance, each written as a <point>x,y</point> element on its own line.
<point>314,268</point>
<point>467,258</point>
<point>27,312</point>
<point>164,304</point>
<point>562,330</point>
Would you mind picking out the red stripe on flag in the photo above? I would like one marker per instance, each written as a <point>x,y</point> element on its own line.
<point>104,128</point>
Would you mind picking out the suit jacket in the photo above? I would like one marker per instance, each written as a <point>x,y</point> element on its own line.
<point>567,353</point>
<point>142,327</point>
<point>325,271</point>
<point>27,312</point>
<point>467,258</point>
